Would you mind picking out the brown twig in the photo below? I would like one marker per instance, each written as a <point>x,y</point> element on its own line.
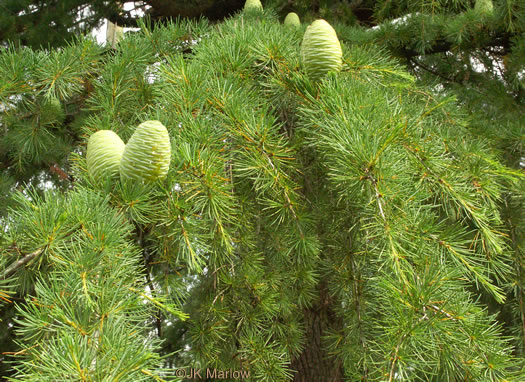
<point>20,263</point>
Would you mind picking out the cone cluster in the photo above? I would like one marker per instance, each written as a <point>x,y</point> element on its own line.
<point>145,158</point>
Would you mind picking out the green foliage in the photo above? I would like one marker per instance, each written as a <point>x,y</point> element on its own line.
<point>373,203</point>
<point>91,299</point>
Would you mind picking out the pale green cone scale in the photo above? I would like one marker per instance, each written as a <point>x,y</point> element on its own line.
<point>484,7</point>
<point>253,5</point>
<point>148,153</point>
<point>292,20</point>
<point>321,51</point>
<point>104,151</point>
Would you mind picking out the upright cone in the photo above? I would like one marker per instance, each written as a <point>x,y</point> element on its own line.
<point>104,151</point>
<point>321,51</point>
<point>292,20</point>
<point>484,7</point>
<point>148,153</point>
<point>253,6</point>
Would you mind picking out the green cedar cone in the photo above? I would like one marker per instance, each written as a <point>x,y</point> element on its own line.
<point>484,7</point>
<point>52,112</point>
<point>253,6</point>
<point>148,153</point>
<point>292,20</point>
<point>104,151</point>
<point>321,51</point>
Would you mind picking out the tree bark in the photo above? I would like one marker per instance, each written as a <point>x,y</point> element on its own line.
<point>314,364</point>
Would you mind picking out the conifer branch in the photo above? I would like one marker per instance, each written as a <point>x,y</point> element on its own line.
<point>158,323</point>
<point>438,309</point>
<point>442,46</point>
<point>423,66</point>
<point>395,356</point>
<point>11,270</point>
<point>377,193</point>
<point>357,297</point>
<point>518,268</point>
<point>522,311</point>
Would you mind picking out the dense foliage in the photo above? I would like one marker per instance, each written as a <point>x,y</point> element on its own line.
<point>368,226</point>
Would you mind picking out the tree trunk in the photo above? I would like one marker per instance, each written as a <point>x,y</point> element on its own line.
<point>314,364</point>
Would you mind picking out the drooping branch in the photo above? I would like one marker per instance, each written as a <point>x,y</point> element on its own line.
<point>430,70</point>
<point>441,46</point>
